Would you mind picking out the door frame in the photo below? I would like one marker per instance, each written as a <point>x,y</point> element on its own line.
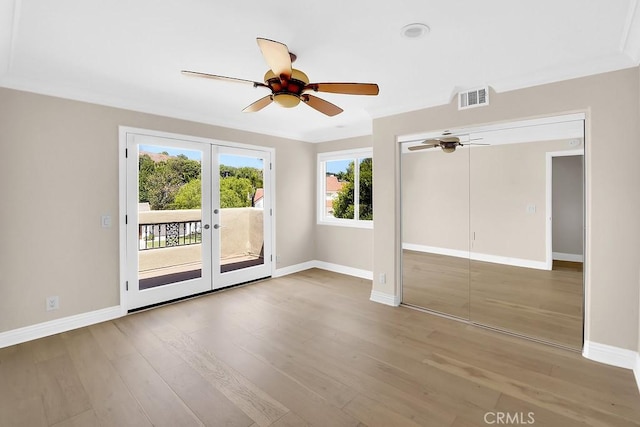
<point>123,131</point>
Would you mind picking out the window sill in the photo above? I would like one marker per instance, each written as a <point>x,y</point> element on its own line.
<point>348,223</point>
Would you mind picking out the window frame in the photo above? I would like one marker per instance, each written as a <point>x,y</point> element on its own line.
<point>355,155</point>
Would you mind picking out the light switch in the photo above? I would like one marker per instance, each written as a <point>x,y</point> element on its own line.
<point>531,209</point>
<point>105,220</point>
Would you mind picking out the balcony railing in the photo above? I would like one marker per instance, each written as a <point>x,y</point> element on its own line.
<point>169,243</point>
<point>168,234</point>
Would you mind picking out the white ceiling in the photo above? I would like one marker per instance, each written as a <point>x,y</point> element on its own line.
<point>129,53</point>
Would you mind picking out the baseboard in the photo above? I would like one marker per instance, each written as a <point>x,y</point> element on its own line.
<point>52,327</point>
<point>343,269</point>
<point>384,298</point>
<point>336,268</point>
<point>560,256</point>
<point>436,250</point>
<point>515,262</point>
<point>636,370</point>
<point>614,356</point>
<point>477,256</point>
<point>291,269</point>
<point>376,296</point>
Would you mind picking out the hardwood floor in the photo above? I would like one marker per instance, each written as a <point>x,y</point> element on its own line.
<point>545,305</point>
<point>305,349</point>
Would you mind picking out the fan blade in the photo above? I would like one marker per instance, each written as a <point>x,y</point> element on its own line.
<point>421,147</point>
<point>321,105</point>
<point>449,139</point>
<point>345,88</point>
<point>227,79</point>
<point>432,142</point>
<point>277,56</point>
<point>259,104</point>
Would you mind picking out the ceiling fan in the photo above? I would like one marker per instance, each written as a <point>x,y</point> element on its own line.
<point>446,142</point>
<point>288,85</point>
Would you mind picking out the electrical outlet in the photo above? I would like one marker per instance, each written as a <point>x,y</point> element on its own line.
<point>53,303</point>
<point>105,221</point>
<point>382,279</point>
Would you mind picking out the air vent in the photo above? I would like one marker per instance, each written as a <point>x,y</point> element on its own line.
<point>473,98</point>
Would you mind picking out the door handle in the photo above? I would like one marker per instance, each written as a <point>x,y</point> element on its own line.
<point>216,226</point>
<point>206,226</point>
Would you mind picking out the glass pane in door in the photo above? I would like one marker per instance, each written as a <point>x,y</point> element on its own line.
<point>169,215</point>
<point>241,220</point>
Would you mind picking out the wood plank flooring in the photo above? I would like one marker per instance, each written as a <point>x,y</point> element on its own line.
<point>545,305</point>
<point>306,349</point>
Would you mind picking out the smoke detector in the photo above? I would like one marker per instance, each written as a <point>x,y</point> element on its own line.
<point>415,31</point>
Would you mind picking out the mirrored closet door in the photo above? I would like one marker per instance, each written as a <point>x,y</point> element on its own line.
<point>435,230</point>
<point>493,231</point>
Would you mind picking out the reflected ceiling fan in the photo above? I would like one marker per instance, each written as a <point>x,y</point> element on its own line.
<point>290,86</point>
<point>446,142</point>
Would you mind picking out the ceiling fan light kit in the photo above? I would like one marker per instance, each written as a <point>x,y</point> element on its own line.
<point>449,147</point>
<point>287,93</point>
<point>288,85</point>
<point>286,100</point>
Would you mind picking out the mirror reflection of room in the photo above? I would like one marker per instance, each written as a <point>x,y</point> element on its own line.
<point>493,233</point>
<point>435,230</point>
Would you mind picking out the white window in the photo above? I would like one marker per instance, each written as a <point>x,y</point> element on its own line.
<point>345,188</point>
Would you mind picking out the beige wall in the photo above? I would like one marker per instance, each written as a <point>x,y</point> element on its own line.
<point>568,202</point>
<point>59,173</point>
<point>610,102</point>
<point>346,246</point>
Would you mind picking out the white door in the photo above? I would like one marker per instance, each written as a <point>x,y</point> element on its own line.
<point>198,217</point>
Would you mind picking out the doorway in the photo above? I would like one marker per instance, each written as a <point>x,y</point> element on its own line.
<point>198,216</point>
<point>565,209</point>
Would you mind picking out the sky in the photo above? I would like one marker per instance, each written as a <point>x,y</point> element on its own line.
<point>335,166</point>
<point>225,159</point>
<point>192,154</point>
<point>240,161</point>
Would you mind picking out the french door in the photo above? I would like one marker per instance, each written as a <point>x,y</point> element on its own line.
<point>198,217</point>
